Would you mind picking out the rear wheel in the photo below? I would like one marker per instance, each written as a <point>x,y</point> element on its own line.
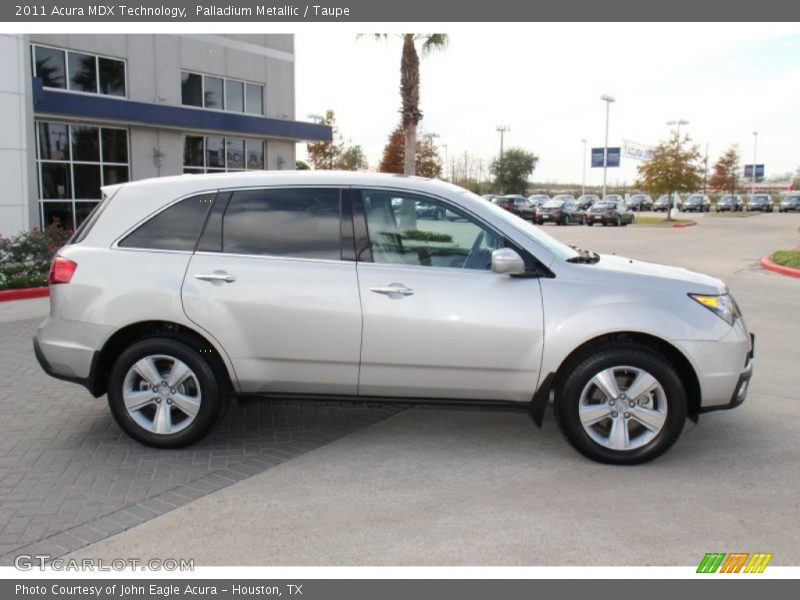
<point>622,404</point>
<point>162,393</point>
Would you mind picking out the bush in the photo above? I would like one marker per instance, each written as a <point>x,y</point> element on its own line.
<point>787,258</point>
<point>25,258</point>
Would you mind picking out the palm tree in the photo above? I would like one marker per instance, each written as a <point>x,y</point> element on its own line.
<point>409,87</point>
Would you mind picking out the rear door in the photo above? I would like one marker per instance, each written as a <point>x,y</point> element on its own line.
<point>273,282</point>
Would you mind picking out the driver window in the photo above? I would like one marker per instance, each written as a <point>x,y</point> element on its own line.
<point>419,231</point>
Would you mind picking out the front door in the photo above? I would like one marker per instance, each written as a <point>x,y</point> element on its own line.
<point>438,323</point>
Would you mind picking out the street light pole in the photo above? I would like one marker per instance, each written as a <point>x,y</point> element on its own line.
<point>502,130</point>
<point>608,100</point>
<point>583,176</point>
<point>755,146</point>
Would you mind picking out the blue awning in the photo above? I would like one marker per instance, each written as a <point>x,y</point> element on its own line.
<point>121,110</point>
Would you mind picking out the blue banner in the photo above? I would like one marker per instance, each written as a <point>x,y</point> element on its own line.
<point>748,171</point>
<point>613,157</point>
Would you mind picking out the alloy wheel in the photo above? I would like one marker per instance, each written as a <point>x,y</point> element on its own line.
<point>623,408</point>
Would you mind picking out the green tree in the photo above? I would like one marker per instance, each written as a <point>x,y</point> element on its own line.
<point>301,165</point>
<point>327,154</point>
<point>335,153</point>
<point>411,114</point>
<point>726,171</point>
<point>512,170</point>
<point>674,167</point>
<point>427,161</point>
<point>353,159</point>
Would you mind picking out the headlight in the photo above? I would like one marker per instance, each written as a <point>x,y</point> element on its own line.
<point>723,305</point>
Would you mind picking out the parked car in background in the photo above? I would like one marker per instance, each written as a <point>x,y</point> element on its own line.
<point>179,293</point>
<point>489,197</point>
<point>586,200</point>
<point>664,203</point>
<point>730,203</point>
<point>639,202</point>
<point>519,205</point>
<point>561,210</point>
<point>504,202</point>
<point>697,203</point>
<point>789,203</point>
<point>538,199</point>
<point>610,212</point>
<point>762,202</point>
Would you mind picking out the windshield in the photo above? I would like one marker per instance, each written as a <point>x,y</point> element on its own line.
<point>563,197</point>
<point>792,198</point>
<point>727,199</point>
<point>554,204</point>
<point>529,230</point>
<point>695,199</point>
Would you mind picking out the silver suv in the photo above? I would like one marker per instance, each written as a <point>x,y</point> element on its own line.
<point>178,293</point>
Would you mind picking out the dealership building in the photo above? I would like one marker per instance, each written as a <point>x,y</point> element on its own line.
<point>83,111</point>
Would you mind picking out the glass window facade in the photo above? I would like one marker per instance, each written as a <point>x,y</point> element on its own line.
<point>219,93</point>
<point>79,71</point>
<point>210,154</point>
<point>74,160</point>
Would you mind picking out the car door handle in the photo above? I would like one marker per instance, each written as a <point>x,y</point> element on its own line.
<point>393,290</point>
<point>216,276</point>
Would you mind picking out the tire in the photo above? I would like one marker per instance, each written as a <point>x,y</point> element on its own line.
<point>617,221</point>
<point>590,223</point>
<point>579,397</point>
<point>583,220</point>
<point>199,390</point>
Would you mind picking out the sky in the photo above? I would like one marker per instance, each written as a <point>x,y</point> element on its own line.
<point>544,82</point>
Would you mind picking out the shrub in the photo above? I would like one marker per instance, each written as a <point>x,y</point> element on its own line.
<point>25,258</point>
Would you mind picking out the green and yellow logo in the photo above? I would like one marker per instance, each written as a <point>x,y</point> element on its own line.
<point>735,562</point>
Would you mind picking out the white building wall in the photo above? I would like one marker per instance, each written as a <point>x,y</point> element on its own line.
<point>17,166</point>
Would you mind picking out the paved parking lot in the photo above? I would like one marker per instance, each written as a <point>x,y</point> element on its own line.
<point>69,476</point>
<point>431,486</point>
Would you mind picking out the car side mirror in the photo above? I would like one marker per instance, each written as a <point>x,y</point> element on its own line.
<point>506,261</point>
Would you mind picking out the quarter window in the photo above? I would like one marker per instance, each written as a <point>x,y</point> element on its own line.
<point>176,228</point>
<point>412,230</point>
<point>300,223</point>
<point>79,71</point>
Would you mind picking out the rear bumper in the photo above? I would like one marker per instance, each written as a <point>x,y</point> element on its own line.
<point>88,382</point>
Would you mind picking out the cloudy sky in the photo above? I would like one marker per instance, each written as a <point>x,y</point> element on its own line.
<point>545,81</point>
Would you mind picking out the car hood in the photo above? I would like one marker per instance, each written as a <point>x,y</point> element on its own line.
<point>627,271</point>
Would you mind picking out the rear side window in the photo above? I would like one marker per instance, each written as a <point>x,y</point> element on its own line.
<point>175,228</point>
<point>291,222</point>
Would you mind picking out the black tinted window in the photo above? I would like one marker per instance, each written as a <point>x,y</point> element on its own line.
<point>301,223</point>
<point>175,228</point>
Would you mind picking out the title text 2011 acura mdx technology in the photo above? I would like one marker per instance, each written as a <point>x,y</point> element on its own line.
<point>179,291</point>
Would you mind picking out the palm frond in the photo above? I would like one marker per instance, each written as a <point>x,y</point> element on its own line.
<point>432,42</point>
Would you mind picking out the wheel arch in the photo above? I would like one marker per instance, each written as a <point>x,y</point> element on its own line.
<point>656,344</point>
<point>130,334</point>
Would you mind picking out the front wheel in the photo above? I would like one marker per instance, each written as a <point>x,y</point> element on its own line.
<point>622,404</point>
<point>163,394</point>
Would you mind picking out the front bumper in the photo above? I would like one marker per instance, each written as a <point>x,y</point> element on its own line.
<point>742,387</point>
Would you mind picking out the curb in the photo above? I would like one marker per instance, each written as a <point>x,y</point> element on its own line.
<point>687,224</point>
<point>24,293</point>
<point>766,263</point>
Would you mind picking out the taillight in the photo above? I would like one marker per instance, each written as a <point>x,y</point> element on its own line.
<point>61,271</point>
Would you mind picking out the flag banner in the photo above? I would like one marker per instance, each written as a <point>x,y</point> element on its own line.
<point>636,151</point>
